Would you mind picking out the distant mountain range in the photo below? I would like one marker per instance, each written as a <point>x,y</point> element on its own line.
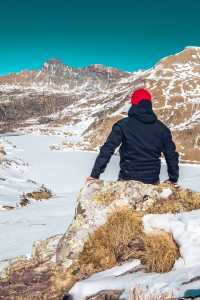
<point>83,103</point>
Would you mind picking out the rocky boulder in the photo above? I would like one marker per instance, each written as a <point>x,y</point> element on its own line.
<point>101,199</point>
<point>55,263</point>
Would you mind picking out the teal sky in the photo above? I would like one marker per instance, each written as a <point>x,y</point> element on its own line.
<point>126,34</point>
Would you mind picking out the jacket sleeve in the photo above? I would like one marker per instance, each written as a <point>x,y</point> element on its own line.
<point>171,156</point>
<point>106,151</point>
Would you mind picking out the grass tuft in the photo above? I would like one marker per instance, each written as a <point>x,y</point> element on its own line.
<point>122,238</point>
<point>180,201</point>
<point>103,247</point>
<point>158,252</point>
<point>42,194</point>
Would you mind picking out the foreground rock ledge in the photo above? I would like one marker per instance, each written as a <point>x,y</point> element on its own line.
<point>101,199</point>
<point>47,275</point>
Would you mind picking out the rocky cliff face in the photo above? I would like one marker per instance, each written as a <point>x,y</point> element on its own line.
<point>58,262</point>
<point>86,101</point>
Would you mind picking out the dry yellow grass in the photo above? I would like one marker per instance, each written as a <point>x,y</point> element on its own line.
<point>39,195</point>
<point>158,252</point>
<point>122,238</point>
<point>180,201</point>
<point>104,198</point>
<point>102,249</point>
<point>42,194</point>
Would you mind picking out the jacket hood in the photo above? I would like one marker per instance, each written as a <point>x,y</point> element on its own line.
<point>143,112</point>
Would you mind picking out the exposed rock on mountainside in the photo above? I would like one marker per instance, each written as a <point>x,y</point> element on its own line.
<point>60,261</point>
<point>84,102</point>
<point>33,94</point>
<point>2,153</point>
<point>41,194</point>
<point>174,83</point>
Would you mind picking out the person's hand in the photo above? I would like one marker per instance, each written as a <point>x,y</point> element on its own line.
<point>89,179</point>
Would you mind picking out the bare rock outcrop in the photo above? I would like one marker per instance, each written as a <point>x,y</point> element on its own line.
<point>101,199</point>
<point>52,270</point>
<point>2,153</point>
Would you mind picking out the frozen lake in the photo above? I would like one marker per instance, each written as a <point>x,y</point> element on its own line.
<point>64,173</point>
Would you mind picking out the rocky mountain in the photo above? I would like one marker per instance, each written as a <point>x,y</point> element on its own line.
<point>83,103</point>
<point>56,76</point>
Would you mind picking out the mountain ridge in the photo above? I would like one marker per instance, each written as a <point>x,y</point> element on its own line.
<point>84,102</point>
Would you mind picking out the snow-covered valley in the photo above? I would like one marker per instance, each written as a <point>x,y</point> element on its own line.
<point>64,172</point>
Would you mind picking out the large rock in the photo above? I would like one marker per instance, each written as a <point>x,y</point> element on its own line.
<point>49,273</point>
<point>100,199</point>
<point>95,203</point>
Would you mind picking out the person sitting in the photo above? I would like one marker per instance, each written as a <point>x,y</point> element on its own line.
<point>142,138</point>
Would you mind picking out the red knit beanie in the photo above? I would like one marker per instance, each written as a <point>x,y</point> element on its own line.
<point>139,95</point>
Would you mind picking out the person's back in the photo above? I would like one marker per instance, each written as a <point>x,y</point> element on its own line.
<point>142,139</point>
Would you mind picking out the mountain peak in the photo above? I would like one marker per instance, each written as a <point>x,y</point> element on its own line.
<point>54,61</point>
<point>189,54</point>
<point>54,67</point>
<point>51,63</point>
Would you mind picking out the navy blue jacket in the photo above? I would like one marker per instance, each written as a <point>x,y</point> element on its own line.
<point>142,138</point>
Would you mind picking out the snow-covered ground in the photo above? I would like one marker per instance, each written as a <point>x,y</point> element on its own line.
<point>33,164</point>
<point>174,283</point>
<point>63,172</point>
<point>20,227</point>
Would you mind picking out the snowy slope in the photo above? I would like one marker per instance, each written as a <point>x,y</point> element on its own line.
<point>20,227</point>
<point>14,180</point>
